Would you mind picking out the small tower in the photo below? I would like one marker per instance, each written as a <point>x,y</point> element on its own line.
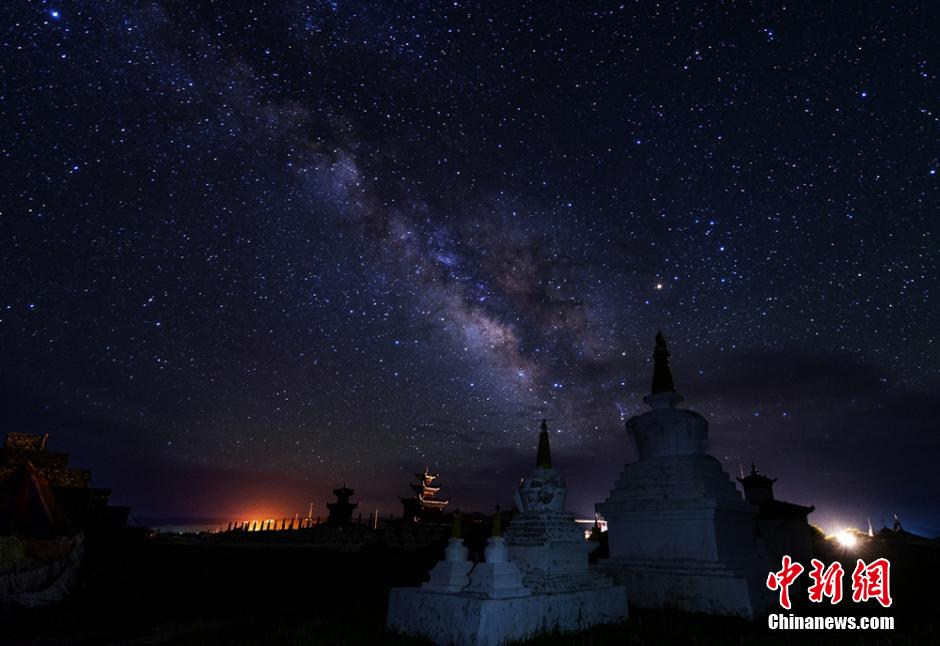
<point>758,488</point>
<point>425,505</point>
<point>341,511</point>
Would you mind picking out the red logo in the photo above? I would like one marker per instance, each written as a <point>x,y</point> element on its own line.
<point>870,581</point>
<point>826,583</point>
<point>783,579</point>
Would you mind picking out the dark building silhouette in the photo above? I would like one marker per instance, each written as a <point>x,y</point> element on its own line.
<point>425,506</point>
<point>341,511</point>
<point>85,506</point>
<point>782,525</point>
<point>757,487</point>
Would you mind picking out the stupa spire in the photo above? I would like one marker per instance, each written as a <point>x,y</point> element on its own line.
<point>662,375</point>
<point>456,531</point>
<point>663,393</point>
<point>496,530</point>
<point>543,459</point>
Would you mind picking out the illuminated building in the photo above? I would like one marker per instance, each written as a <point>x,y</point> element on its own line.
<point>425,505</point>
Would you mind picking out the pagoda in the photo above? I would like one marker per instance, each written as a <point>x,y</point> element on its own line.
<point>341,511</point>
<point>425,505</point>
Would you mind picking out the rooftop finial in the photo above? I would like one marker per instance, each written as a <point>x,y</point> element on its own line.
<point>543,458</point>
<point>662,375</point>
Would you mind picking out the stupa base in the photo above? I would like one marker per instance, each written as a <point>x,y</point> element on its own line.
<point>692,586</point>
<point>465,620</point>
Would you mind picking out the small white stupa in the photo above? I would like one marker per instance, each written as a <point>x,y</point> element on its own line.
<point>453,573</point>
<point>534,580</point>
<point>544,539</point>
<point>680,534</point>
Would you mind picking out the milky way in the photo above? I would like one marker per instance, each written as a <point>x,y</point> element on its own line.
<point>251,253</point>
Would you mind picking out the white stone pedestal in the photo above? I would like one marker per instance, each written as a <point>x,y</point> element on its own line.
<point>690,586</point>
<point>680,534</point>
<point>451,574</point>
<point>497,578</point>
<point>466,620</point>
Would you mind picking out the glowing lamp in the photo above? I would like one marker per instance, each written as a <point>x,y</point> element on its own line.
<point>847,539</point>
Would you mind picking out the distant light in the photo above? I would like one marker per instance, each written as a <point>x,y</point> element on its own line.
<point>659,285</point>
<point>847,539</point>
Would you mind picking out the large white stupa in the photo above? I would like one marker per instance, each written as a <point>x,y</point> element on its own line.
<point>680,534</point>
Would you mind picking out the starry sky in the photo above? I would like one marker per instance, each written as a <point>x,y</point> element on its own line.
<point>251,251</point>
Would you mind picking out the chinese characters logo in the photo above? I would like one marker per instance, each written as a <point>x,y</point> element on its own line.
<point>869,581</point>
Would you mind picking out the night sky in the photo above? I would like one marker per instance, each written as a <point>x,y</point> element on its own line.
<point>250,254</point>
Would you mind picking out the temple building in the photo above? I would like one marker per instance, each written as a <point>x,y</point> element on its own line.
<point>680,533</point>
<point>424,506</point>
<point>86,507</point>
<point>341,511</point>
<point>782,525</point>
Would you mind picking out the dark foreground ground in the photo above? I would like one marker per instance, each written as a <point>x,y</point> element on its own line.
<point>169,592</point>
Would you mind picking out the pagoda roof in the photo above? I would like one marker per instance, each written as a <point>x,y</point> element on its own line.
<point>755,478</point>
